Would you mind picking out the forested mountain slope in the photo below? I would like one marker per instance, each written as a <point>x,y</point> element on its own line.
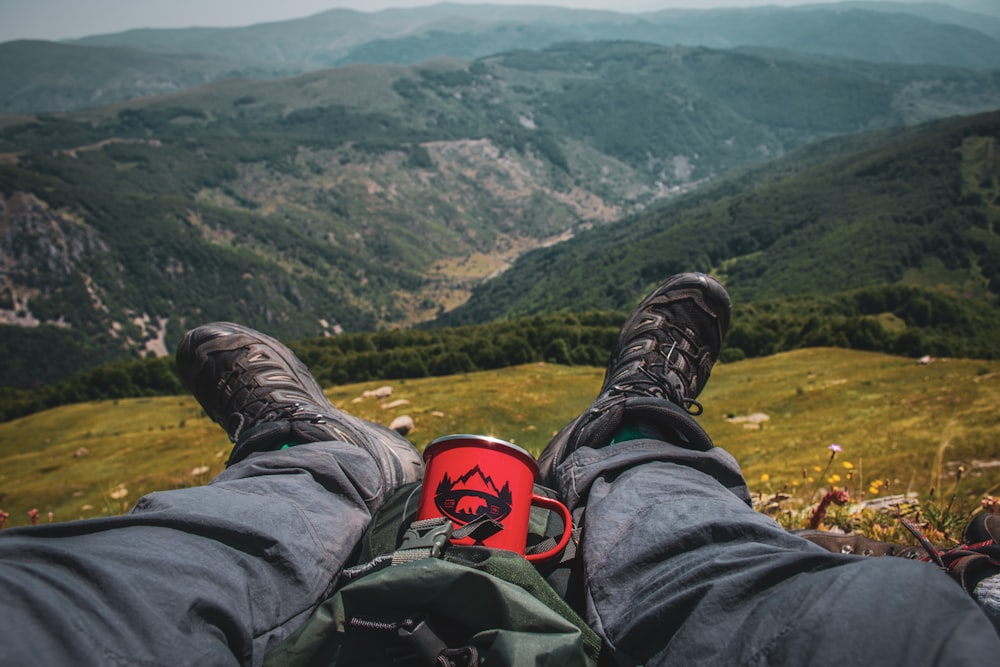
<point>920,211</point>
<point>377,196</point>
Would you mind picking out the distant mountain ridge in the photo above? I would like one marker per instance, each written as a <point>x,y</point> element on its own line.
<point>45,77</point>
<point>858,33</point>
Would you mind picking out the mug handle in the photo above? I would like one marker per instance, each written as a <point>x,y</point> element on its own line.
<point>553,505</point>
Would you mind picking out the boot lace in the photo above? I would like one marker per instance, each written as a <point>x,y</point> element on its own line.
<point>678,361</point>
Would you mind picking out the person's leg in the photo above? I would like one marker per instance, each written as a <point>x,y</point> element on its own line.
<point>974,563</point>
<point>678,568</point>
<point>214,574</point>
<point>206,575</point>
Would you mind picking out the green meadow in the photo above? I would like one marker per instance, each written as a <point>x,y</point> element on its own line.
<point>930,429</point>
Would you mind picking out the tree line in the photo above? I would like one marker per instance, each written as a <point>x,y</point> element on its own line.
<point>897,319</point>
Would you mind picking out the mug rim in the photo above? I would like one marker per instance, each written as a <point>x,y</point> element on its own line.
<point>487,441</point>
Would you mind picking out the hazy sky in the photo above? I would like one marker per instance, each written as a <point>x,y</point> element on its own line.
<point>66,19</point>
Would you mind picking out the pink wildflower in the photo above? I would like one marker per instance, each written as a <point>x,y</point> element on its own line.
<point>33,515</point>
<point>3,518</point>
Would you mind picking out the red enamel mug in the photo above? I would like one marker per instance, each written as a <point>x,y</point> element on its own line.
<point>471,476</point>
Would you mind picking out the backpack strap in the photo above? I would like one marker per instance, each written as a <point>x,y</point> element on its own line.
<point>426,538</point>
<point>423,539</point>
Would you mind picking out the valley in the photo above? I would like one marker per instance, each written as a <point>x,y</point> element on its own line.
<point>341,194</point>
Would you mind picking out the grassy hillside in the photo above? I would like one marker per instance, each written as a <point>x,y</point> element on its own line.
<point>903,427</point>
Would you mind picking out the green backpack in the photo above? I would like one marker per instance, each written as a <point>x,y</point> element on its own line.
<point>415,599</point>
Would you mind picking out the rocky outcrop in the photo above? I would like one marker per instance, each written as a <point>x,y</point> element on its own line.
<point>41,250</point>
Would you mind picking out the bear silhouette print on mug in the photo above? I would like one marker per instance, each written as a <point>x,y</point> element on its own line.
<point>470,478</point>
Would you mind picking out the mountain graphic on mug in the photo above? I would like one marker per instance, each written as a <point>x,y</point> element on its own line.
<point>471,495</point>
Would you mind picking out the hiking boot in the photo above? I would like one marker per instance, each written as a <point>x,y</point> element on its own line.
<point>974,565</point>
<point>976,558</point>
<point>968,563</point>
<point>660,363</point>
<point>264,397</point>
<point>859,545</point>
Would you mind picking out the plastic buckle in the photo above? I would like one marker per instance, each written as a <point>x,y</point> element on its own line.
<point>430,534</point>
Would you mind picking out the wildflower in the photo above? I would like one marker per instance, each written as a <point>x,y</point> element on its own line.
<point>765,477</point>
<point>833,479</point>
<point>33,515</point>
<point>3,518</point>
<point>200,470</point>
<point>51,516</point>
<point>834,450</point>
<point>119,493</point>
<point>848,465</point>
<point>837,497</point>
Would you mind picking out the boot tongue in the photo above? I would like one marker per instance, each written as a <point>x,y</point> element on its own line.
<point>262,437</point>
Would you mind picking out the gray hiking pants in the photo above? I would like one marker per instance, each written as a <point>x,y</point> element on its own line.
<point>205,576</point>
<point>678,568</point>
